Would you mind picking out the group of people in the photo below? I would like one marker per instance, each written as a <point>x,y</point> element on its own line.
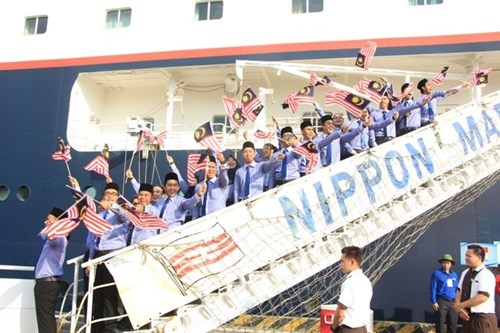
<point>224,182</point>
<point>473,297</point>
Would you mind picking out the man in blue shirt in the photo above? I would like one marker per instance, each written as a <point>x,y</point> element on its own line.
<point>289,168</point>
<point>145,206</point>
<point>249,178</point>
<point>48,272</point>
<point>216,187</point>
<point>173,207</point>
<point>444,283</point>
<point>428,110</point>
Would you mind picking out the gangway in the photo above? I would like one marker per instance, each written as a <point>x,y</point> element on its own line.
<point>220,266</point>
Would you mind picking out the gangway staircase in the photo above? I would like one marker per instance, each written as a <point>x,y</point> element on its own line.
<point>210,271</point>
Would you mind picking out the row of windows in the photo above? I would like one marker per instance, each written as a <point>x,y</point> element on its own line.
<point>204,10</point>
<point>23,192</point>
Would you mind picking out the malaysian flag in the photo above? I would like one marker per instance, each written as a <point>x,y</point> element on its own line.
<point>99,164</point>
<point>63,226</point>
<point>264,134</point>
<point>249,104</point>
<point>199,258</point>
<point>196,162</point>
<point>310,151</point>
<point>303,96</point>
<point>372,88</point>
<point>160,138</point>
<point>352,103</point>
<point>365,55</point>
<point>141,220</point>
<point>480,76</point>
<point>234,112</point>
<point>438,79</point>
<point>204,135</point>
<point>316,80</point>
<point>63,154</point>
<point>94,223</point>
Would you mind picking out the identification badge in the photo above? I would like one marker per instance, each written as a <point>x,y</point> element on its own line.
<point>449,283</point>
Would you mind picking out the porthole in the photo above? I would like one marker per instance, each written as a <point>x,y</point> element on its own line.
<point>23,193</point>
<point>4,192</point>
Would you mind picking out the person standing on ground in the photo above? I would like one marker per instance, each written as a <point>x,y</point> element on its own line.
<point>353,306</point>
<point>48,272</point>
<point>443,286</point>
<point>474,300</point>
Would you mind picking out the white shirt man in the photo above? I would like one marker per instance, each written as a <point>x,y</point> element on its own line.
<point>353,306</point>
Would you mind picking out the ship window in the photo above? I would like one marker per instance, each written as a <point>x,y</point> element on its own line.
<point>220,124</point>
<point>118,18</point>
<point>425,2</point>
<point>35,25</point>
<point>4,192</point>
<point>208,10</point>
<point>307,6</point>
<point>23,193</point>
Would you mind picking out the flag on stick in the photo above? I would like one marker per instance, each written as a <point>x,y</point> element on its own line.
<point>250,105</point>
<point>204,135</point>
<point>365,55</point>
<point>310,151</point>
<point>303,96</point>
<point>160,138</point>
<point>234,112</point>
<point>316,80</point>
<point>372,88</point>
<point>196,162</point>
<point>63,154</point>
<point>352,103</point>
<point>480,76</point>
<point>264,134</point>
<point>141,220</point>
<point>438,79</point>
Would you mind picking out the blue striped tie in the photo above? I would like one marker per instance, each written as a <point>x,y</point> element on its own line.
<point>246,192</point>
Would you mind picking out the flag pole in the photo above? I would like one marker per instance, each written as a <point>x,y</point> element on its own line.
<point>67,167</point>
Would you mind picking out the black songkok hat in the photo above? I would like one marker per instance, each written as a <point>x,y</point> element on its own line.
<point>57,212</point>
<point>248,144</point>
<point>112,186</point>
<point>404,86</point>
<point>421,84</point>
<point>325,118</point>
<point>171,175</point>
<point>305,123</point>
<point>146,187</point>
<point>211,158</point>
<point>285,130</point>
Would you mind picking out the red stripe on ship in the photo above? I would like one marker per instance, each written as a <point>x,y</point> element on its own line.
<point>190,259</point>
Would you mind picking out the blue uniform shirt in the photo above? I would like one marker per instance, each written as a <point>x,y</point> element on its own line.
<point>115,238</point>
<point>257,172</point>
<point>173,209</point>
<point>51,259</point>
<point>216,195</point>
<point>140,234</point>
<point>443,285</point>
<point>291,163</point>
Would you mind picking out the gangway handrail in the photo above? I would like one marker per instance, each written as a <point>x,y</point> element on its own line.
<point>17,268</point>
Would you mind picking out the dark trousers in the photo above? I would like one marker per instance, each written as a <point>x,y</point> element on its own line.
<point>446,318</point>
<point>346,329</point>
<point>382,139</point>
<point>45,303</point>
<point>105,299</point>
<point>480,323</point>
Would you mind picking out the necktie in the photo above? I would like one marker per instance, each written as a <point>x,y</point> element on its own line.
<point>384,114</point>
<point>98,239</point>
<point>329,154</point>
<point>246,190</point>
<point>283,166</point>
<point>205,198</point>
<point>431,111</point>
<point>362,136</point>
<point>164,207</point>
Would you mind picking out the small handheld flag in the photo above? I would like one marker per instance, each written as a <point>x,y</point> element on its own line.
<point>365,55</point>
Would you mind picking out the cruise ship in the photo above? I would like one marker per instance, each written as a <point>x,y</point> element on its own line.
<point>98,72</point>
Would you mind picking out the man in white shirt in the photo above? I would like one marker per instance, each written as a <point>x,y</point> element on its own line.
<point>353,306</point>
<point>475,297</point>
